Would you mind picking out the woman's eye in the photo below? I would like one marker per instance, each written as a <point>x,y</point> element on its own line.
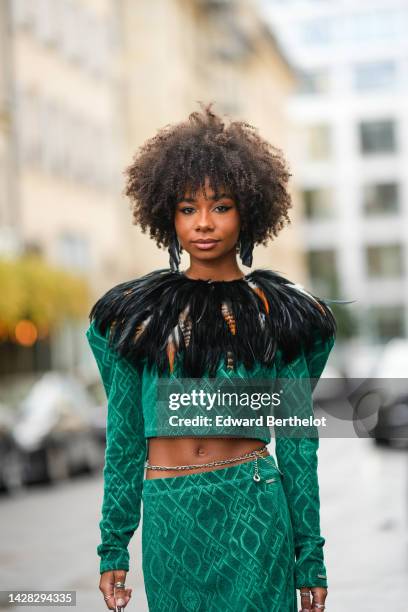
<point>224,207</point>
<point>187,209</point>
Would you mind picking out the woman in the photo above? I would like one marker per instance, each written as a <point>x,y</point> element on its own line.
<point>224,527</point>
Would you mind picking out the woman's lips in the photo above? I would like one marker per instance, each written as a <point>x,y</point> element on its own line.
<point>205,246</point>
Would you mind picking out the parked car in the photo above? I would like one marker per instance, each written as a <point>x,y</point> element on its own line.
<point>391,374</point>
<point>393,360</point>
<point>54,432</point>
<point>392,424</point>
<point>332,386</point>
<point>10,459</point>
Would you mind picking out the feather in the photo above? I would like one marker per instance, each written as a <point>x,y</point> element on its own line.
<point>300,288</point>
<point>229,318</point>
<point>185,326</point>
<point>230,360</point>
<point>171,351</point>
<point>244,321</point>
<point>261,294</point>
<point>141,327</point>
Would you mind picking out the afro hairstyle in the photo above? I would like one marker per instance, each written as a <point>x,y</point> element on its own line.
<point>179,158</point>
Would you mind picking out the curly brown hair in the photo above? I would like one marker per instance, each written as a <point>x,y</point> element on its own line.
<point>180,156</point>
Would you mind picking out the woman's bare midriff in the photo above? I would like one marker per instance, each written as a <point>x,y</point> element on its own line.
<point>186,451</point>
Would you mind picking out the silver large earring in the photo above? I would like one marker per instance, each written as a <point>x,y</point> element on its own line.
<point>174,253</point>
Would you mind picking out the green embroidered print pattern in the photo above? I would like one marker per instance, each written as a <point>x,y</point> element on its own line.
<point>297,459</point>
<point>126,449</point>
<point>124,456</point>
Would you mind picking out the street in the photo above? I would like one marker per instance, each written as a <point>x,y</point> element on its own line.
<point>49,536</point>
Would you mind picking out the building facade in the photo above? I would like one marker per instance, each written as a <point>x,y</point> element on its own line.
<point>350,145</point>
<point>62,197</point>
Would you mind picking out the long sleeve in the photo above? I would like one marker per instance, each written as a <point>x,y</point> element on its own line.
<point>125,454</point>
<point>297,459</point>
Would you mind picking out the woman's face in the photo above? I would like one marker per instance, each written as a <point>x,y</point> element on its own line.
<point>215,221</point>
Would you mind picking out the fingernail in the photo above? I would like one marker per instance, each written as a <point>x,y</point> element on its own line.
<point>120,602</point>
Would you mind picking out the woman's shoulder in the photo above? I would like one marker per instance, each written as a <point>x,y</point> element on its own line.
<point>118,298</point>
<point>298,315</point>
<point>286,295</point>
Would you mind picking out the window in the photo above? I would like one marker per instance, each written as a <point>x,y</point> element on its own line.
<point>69,39</point>
<point>317,142</point>
<point>28,112</point>
<point>316,32</point>
<point>377,136</point>
<point>313,82</point>
<point>45,20</point>
<point>385,24</point>
<point>323,272</point>
<point>22,13</point>
<point>73,251</point>
<point>374,75</point>
<point>387,322</point>
<point>318,203</point>
<point>384,261</point>
<point>381,198</point>
<point>52,136</point>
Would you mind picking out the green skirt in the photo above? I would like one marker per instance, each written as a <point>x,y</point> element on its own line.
<point>218,541</point>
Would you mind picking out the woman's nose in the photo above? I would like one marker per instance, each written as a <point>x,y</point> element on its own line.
<point>204,222</point>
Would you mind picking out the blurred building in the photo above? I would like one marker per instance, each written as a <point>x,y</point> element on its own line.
<point>62,197</point>
<point>8,213</point>
<point>351,150</point>
<point>64,91</point>
<point>83,83</point>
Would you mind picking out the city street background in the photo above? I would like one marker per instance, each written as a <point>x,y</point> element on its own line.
<point>83,84</point>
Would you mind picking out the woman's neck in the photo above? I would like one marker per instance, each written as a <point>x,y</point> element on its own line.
<point>210,271</point>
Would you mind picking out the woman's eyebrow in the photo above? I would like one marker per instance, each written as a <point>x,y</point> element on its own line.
<point>213,197</point>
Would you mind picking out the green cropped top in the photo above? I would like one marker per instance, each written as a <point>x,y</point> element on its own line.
<point>165,326</point>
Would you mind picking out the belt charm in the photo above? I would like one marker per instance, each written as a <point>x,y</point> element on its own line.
<point>256,475</point>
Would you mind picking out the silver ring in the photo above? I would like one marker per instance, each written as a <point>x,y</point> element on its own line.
<point>106,597</point>
<point>319,605</point>
<point>305,593</point>
<point>120,585</point>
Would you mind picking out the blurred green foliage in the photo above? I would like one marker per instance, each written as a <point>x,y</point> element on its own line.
<point>46,295</point>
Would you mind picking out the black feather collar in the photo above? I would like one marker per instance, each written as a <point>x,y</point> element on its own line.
<point>242,321</point>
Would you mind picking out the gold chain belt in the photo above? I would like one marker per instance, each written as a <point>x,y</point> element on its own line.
<point>254,453</point>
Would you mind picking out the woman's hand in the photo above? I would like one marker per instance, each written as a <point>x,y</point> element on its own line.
<point>114,597</point>
<point>319,595</point>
